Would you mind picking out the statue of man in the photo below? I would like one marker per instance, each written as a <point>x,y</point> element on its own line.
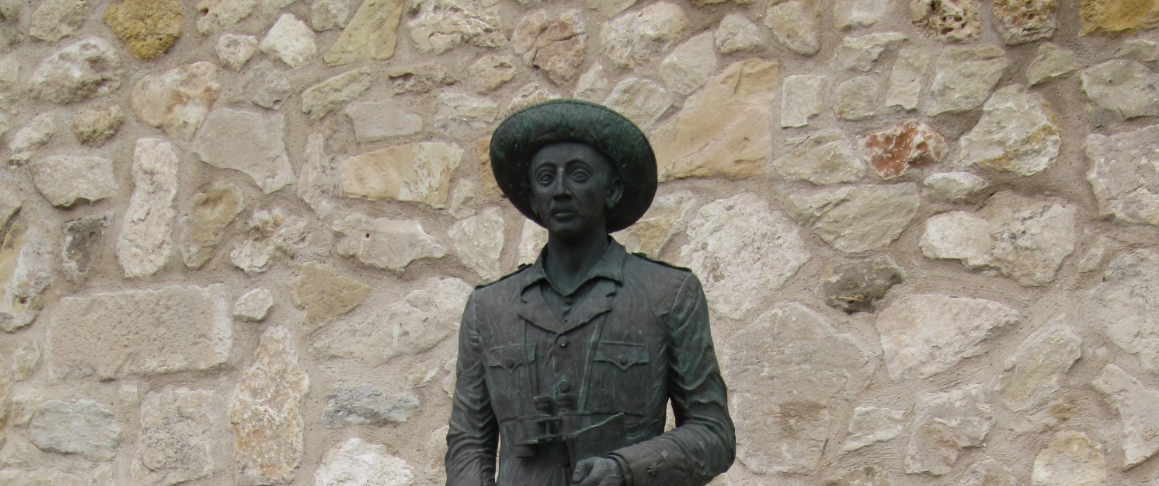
<point>570,363</point>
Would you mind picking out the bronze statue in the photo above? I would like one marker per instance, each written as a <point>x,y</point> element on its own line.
<point>570,363</point>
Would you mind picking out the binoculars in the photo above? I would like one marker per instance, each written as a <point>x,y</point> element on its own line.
<point>557,422</point>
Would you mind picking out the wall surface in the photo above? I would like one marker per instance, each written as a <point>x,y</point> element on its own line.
<point>238,234</point>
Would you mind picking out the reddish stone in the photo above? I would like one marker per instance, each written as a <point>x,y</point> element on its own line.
<point>907,144</point>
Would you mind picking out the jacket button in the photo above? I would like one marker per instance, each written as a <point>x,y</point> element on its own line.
<point>568,300</point>
<point>509,363</point>
<point>624,361</point>
<point>564,386</point>
<point>562,341</point>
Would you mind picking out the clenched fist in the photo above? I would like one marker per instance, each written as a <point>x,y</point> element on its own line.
<point>598,471</point>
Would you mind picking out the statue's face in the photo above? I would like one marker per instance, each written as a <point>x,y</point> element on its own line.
<point>574,187</point>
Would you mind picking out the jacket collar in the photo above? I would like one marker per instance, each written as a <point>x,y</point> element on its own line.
<point>609,269</point>
<point>609,266</point>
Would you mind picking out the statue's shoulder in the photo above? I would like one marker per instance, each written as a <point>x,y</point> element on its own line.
<point>500,283</point>
<point>645,262</point>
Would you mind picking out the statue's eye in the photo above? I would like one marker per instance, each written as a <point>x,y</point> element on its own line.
<point>545,178</point>
<point>580,175</point>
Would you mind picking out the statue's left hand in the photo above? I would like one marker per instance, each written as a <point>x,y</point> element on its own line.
<point>598,471</point>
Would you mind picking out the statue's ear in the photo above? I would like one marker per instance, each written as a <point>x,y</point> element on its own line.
<point>615,192</point>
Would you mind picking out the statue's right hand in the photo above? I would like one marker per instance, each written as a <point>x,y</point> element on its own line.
<point>598,471</point>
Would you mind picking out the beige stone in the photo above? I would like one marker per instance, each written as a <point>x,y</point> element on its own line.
<point>460,114</point>
<point>25,362</point>
<point>83,239</point>
<point>1118,174</point>
<point>1141,50</point>
<point>144,245</point>
<point>530,94</point>
<point>490,72</point>
<point>743,250</point>
<point>823,158</point>
<point>641,100</point>
<point>1138,408</point>
<point>636,38</point>
<point>366,404</point>
<point>1115,16</point>
<point>478,242</point>
<point>84,427</point>
<point>871,425</point>
<point>329,14</point>
<point>723,129</point>
<point>420,78</point>
<point>38,132</point>
<point>218,15</point>
<point>944,424</point>
<point>442,25</point>
<point>177,426</point>
<point>856,99</point>
<point>1120,90</point>
<point>796,24</point>
<point>802,97</point>
<point>290,40</point>
<point>866,476</point>
<point>320,181</point>
<point>247,142</point>
<point>1016,134</point>
<point>380,120</point>
<point>609,8</point>
<point>948,20</point>
<point>65,179</point>
<point>665,218</point>
<point>856,286</point>
<point>54,20</point>
<point>926,334</point>
<point>989,473</point>
<point>268,235</point>
<point>413,325</point>
<point>333,93</point>
<point>690,64</point>
<point>593,84</point>
<point>253,305</point>
<point>1022,21</point>
<point>1032,375</point>
<point>266,412</point>
<point>203,225</point>
<point>357,462</point>
<point>419,172</point>
<point>783,419</point>
<point>78,72</point>
<point>556,46</point>
<point>1070,459</point>
<point>858,53</point>
<point>27,258</point>
<point>906,78</point>
<point>385,243</point>
<point>371,34</point>
<point>324,294</point>
<point>1023,238</point>
<point>483,155</point>
<point>854,219</point>
<point>1050,62</point>
<point>45,477</point>
<point>94,127</point>
<point>858,13</point>
<point>233,50</point>
<point>177,100</point>
<point>737,33</point>
<point>1120,305</point>
<point>139,332</point>
<point>965,76</point>
<point>149,28</point>
<point>954,187</point>
<point>532,239</point>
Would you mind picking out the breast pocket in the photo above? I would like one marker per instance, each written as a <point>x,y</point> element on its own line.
<point>619,380</point>
<point>507,377</point>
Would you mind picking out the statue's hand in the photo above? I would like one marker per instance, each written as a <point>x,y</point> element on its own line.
<point>598,471</point>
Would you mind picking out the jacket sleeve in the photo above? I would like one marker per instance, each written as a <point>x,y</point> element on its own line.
<point>473,433</point>
<point>703,444</point>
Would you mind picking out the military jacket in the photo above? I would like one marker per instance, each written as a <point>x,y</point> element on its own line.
<point>636,339</point>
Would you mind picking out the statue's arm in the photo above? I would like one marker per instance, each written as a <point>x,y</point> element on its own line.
<point>703,444</point>
<point>473,434</point>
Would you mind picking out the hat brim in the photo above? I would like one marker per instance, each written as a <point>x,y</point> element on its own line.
<point>522,134</point>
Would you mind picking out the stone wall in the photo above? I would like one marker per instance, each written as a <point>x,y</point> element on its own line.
<point>237,234</point>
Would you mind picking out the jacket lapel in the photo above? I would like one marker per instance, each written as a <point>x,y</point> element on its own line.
<point>533,309</point>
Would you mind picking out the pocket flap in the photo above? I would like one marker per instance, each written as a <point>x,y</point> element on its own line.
<point>623,355</point>
<point>511,356</point>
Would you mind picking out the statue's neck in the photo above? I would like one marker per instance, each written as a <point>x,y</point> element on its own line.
<point>568,261</point>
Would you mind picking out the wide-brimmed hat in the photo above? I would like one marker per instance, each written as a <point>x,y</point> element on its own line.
<point>522,134</point>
